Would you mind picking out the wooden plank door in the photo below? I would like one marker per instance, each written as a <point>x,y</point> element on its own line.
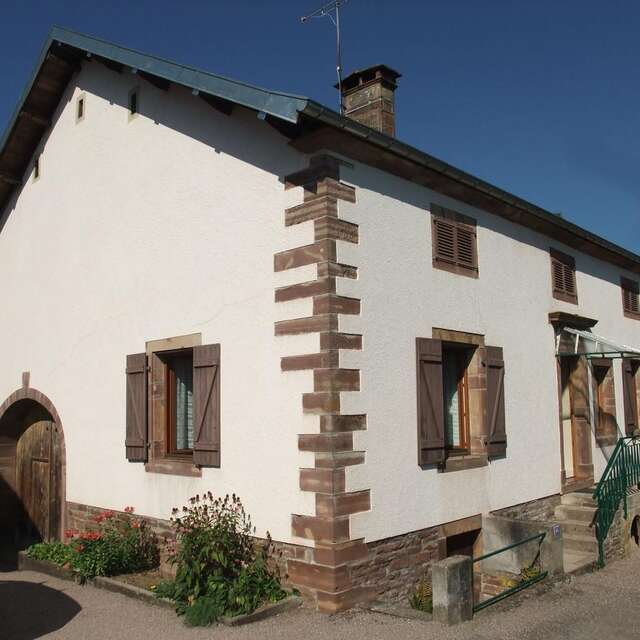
<point>37,479</point>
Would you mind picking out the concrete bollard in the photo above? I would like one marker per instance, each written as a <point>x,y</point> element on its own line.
<point>452,584</point>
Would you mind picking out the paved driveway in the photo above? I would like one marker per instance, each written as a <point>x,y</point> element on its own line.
<point>600,605</point>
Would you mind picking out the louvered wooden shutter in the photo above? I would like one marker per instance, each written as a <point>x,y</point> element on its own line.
<point>444,240</point>
<point>629,391</point>
<point>495,416</point>
<point>206,405</point>
<point>630,297</point>
<point>466,246</point>
<point>563,276</point>
<point>431,442</point>
<point>136,438</point>
<point>454,241</point>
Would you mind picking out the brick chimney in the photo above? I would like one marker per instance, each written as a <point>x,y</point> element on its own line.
<point>368,97</point>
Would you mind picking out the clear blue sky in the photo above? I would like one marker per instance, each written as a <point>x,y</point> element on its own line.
<point>540,98</point>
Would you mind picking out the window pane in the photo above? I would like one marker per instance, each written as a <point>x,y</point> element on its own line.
<point>451,399</point>
<point>183,370</point>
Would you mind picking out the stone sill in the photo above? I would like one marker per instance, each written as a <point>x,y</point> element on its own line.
<point>462,462</point>
<point>173,467</point>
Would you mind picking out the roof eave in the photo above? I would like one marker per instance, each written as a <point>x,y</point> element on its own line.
<point>329,117</point>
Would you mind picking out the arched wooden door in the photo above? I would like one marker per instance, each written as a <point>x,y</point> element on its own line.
<point>38,479</point>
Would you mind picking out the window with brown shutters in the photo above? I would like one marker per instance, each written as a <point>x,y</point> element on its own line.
<point>563,277</point>
<point>457,428</point>
<point>181,430</point>
<point>454,241</point>
<point>630,298</point>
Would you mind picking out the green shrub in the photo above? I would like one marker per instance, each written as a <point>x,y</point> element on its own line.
<point>120,544</point>
<point>56,552</point>
<point>219,569</point>
<point>422,598</point>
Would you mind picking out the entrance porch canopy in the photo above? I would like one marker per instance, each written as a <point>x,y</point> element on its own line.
<point>575,342</point>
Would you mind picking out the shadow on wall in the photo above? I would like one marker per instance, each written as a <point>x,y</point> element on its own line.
<point>30,610</point>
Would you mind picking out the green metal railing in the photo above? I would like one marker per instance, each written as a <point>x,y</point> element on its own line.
<point>621,474</point>
<point>525,582</point>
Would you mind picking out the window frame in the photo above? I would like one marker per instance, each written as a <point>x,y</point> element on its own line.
<point>628,289</point>
<point>463,354</point>
<point>457,222</point>
<point>171,449</point>
<point>567,264</point>
<point>161,460</point>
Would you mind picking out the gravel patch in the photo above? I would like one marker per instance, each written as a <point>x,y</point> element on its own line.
<point>593,606</point>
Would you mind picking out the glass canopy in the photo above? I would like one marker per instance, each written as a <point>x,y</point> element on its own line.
<point>575,342</point>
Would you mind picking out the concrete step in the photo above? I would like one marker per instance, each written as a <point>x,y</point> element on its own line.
<point>577,528</point>
<point>583,544</point>
<point>579,498</point>
<point>575,512</point>
<point>576,562</point>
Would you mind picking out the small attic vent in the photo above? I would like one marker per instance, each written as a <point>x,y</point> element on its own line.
<point>80,108</point>
<point>133,102</point>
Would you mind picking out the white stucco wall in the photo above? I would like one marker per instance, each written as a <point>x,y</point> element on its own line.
<point>166,224</point>
<point>138,230</point>
<point>404,297</point>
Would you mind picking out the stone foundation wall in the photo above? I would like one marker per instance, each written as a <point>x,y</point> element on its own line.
<point>393,567</point>
<point>541,509</point>
<point>81,516</point>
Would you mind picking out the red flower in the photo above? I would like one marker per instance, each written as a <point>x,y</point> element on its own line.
<point>129,509</point>
<point>70,533</point>
<point>90,535</point>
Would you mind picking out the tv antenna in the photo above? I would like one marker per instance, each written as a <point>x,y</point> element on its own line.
<point>327,11</point>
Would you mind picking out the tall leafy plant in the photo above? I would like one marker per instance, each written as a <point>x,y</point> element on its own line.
<point>219,568</point>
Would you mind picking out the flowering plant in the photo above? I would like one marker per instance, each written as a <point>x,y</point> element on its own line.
<point>119,544</point>
<point>219,568</point>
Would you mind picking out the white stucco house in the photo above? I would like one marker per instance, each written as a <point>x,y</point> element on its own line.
<point>211,286</point>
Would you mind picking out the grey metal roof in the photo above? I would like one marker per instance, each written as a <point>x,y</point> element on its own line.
<point>288,108</point>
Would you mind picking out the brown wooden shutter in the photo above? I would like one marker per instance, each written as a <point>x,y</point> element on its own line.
<point>206,405</point>
<point>563,276</point>
<point>136,438</point>
<point>496,426</point>
<point>444,241</point>
<point>466,246</point>
<point>629,391</point>
<point>431,442</point>
<point>454,241</point>
<point>630,297</point>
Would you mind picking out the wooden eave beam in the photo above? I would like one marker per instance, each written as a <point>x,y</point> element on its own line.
<point>159,83</point>
<point>39,120</point>
<point>68,64</point>
<point>223,106</point>
<point>9,179</point>
<point>112,65</point>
